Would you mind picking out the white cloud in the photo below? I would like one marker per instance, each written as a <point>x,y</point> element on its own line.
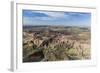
<point>51,17</point>
<point>53,14</point>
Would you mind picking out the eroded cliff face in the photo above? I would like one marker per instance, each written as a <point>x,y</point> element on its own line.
<point>56,46</point>
<point>60,48</point>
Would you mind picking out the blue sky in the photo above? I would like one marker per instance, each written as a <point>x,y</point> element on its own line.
<point>31,17</point>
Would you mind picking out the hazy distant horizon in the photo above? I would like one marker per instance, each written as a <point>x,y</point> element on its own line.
<point>56,26</point>
<point>52,18</point>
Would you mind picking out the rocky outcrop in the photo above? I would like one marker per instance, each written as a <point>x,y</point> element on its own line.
<point>55,46</point>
